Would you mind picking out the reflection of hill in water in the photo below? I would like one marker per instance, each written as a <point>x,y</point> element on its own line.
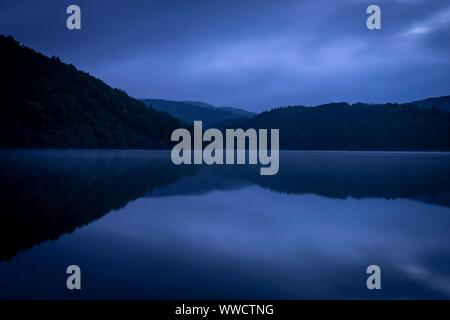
<point>205,181</point>
<point>45,194</point>
<point>416,176</point>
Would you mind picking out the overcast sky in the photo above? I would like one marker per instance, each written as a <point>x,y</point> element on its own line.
<point>244,53</point>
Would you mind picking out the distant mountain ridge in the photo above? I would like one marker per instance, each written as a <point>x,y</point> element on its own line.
<point>442,103</point>
<point>189,111</point>
<point>45,103</point>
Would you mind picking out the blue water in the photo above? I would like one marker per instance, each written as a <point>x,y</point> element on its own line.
<point>140,227</point>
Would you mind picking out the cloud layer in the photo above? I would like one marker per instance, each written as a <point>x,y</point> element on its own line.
<point>251,54</point>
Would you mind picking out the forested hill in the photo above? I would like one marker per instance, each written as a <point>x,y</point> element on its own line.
<point>47,103</point>
<point>442,103</point>
<point>340,126</point>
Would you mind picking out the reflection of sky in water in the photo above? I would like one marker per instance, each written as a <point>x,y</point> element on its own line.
<point>246,243</point>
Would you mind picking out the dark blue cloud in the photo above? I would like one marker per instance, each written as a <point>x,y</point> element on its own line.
<point>251,54</point>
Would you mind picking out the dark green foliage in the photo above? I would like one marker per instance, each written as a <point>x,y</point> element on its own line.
<point>340,126</point>
<point>46,103</point>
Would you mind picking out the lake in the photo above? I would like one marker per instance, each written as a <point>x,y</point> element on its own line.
<point>140,227</point>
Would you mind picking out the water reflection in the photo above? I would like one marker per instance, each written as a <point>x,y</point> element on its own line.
<point>225,232</point>
<point>44,194</point>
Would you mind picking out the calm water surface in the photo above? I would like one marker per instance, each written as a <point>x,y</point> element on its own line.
<point>140,227</point>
